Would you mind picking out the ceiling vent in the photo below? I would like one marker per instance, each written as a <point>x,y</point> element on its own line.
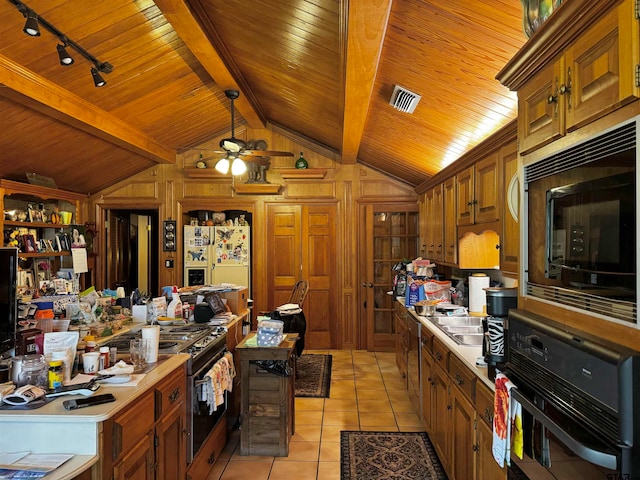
<point>404,100</point>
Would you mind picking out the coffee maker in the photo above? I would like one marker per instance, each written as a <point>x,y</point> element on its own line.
<point>499,301</point>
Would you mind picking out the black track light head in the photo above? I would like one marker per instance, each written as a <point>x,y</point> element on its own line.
<point>31,26</point>
<point>65,58</point>
<point>98,81</point>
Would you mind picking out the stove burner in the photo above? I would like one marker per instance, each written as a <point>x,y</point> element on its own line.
<point>164,345</point>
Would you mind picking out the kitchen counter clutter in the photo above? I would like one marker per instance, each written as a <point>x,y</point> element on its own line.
<point>86,432</point>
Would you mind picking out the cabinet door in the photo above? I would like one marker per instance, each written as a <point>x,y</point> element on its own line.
<point>429,207</point>
<point>510,249</point>
<point>462,437</point>
<point>401,346</point>
<point>540,116</point>
<point>450,231</point>
<point>465,195</point>
<point>600,68</point>
<point>138,463</point>
<point>427,385</point>
<point>487,189</point>
<point>171,448</point>
<point>486,466</point>
<point>438,222</point>
<point>441,414</point>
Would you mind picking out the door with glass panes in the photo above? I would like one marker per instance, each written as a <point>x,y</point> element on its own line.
<point>390,235</point>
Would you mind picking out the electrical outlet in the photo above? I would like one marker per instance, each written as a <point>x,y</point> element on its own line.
<point>168,263</point>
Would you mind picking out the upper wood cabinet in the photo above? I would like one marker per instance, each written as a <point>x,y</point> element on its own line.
<point>510,240</point>
<point>449,227</point>
<point>434,207</point>
<point>478,192</point>
<point>595,74</point>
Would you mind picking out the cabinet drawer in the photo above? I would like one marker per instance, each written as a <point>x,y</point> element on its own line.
<point>440,353</point>
<point>170,391</point>
<point>484,403</point>
<point>133,424</point>
<point>462,377</point>
<point>208,453</point>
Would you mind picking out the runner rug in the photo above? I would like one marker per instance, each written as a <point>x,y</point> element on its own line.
<point>385,455</point>
<point>313,375</point>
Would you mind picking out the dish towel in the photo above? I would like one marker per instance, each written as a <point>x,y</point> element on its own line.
<point>507,422</point>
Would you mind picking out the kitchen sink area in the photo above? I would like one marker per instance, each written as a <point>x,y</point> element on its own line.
<point>464,330</point>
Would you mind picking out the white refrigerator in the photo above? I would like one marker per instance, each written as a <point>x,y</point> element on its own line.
<point>217,255</point>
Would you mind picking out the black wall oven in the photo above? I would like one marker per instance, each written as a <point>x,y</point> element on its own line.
<point>583,390</point>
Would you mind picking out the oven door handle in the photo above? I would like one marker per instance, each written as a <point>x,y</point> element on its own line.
<point>603,459</point>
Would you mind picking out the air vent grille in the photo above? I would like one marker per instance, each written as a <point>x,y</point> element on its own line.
<point>608,144</point>
<point>404,100</point>
<point>619,309</point>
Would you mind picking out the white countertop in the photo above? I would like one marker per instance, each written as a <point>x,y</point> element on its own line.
<point>52,429</point>
<point>466,353</point>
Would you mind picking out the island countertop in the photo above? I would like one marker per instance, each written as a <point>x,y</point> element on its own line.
<point>52,429</point>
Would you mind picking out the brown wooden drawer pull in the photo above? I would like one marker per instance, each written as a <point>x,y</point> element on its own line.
<point>488,415</point>
<point>174,395</point>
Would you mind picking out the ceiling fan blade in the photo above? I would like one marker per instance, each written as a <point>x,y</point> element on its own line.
<point>265,153</point>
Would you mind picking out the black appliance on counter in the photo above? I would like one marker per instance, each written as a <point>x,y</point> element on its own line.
<point>499,301</point>
<point>581,388</point>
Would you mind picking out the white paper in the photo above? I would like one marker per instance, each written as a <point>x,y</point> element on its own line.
<point>79,257</point>
<point>33,461</point>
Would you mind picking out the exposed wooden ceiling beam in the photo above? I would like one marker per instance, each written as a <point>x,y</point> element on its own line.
<point>366,28</point>
<point>217,61</point>
<point>25,87</point>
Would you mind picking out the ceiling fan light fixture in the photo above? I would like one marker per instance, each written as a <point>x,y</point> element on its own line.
<point>222,166</point>
<point>238,167</point>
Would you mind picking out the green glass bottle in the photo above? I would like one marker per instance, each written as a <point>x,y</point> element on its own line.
<point>301,163</point>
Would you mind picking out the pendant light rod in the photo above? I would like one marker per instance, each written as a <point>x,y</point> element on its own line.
<point>104,67</point>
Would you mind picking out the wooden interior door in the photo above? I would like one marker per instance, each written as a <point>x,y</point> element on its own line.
<point>390,236</point>
<point>301,245</point>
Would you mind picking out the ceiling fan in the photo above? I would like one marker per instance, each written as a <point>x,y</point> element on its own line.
<point>236,150</point>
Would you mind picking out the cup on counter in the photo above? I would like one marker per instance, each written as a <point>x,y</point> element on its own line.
<point>151,333</point>
<point>138,353</point>
<point>91,362</point>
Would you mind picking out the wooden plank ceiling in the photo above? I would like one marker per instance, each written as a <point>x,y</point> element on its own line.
<point>323,70</point>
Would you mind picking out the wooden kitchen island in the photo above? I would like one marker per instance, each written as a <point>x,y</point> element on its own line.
<point>112,440</point>
<point>268,399</point>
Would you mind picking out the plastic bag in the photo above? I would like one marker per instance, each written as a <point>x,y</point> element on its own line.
<point>438,290</point>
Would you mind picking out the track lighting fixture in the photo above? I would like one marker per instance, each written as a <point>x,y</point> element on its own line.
<point>65,58</point>
<point>31,27</point>
<point>97,78</point>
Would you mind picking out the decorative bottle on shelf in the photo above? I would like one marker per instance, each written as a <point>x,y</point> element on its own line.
<point>301,163</point>
<point>201,163</point>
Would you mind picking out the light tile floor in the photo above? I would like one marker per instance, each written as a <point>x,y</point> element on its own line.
<point>366,394</point>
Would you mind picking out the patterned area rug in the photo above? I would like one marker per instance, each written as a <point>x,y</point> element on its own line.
<point>313,375</point>
<point>388,455</point>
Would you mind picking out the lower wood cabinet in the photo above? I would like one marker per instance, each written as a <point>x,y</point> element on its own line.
<point>147,440</point>
<point>457,412</point>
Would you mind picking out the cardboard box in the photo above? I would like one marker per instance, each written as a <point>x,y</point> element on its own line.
<point>237,300</point>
